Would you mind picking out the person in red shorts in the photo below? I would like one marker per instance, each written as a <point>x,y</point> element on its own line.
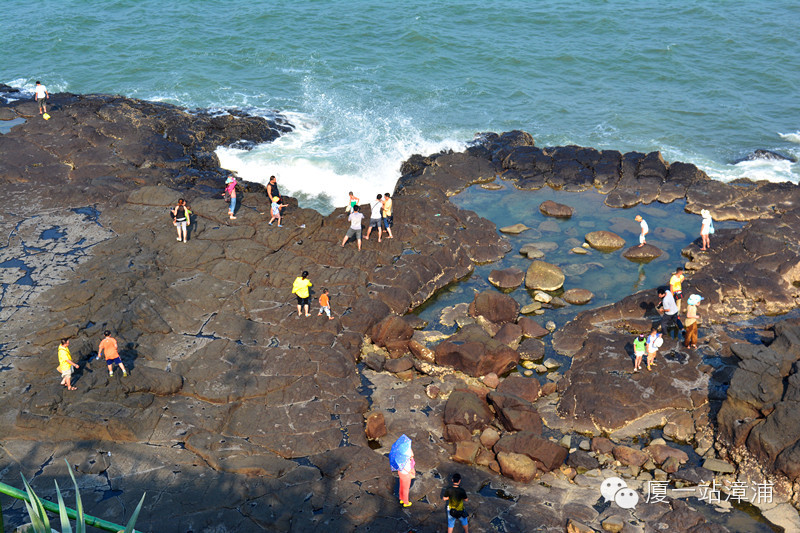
<point>108,347</point>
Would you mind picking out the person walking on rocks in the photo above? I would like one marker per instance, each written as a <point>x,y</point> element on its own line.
<point>300,289</point>
<point>180,219</point>
<point>639,349</point>
<point>108,348</point>
<point>65,364</point>
<point>654,342</point>
<point>355,219</point>
<point>375,219</point>
<point>676,288</point>
<point>706,229</point>
<point>691,320</point>
<point>276,210</point>
<point>401,459</point>
<point>230,193</point>
<point>668,310</point>
<point>645,230</point>
<point>387,218</point>
<point>325,304</point>
<point>455,497</point>
<point>41,95</point>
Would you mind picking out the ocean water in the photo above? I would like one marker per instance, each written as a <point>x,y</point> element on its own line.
<point>368,84</point>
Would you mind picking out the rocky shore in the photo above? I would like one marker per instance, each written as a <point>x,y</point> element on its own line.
<point>240,416</point>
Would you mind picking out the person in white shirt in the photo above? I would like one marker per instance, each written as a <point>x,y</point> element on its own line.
<point>355,226</point>
<point>645,230</point>
<point>375,221</point>
<point>41,95</point>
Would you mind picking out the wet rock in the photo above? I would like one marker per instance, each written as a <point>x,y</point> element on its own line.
<point>509,334</point>
<point>578,296</point>
<point>421,352</point>
<point>531,350</point>
<point>530,308</point>
<point>605,241</point>
<point>466,409</point>
<point>553,209</point>
<point>449,314</point>
<point>642,254</point>
<point>543,297</point>
<point>544,276</point>
<point>514,229</point>
<point>509,278</point>
<point>496,307</point>
<point>531,251</point>
<point>579,251</point>
<point>544,246</point>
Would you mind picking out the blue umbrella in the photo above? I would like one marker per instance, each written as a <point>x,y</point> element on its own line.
<point>400,453</point>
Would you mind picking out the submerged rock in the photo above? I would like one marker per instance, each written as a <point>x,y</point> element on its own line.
<point>642,254</point>
<point>544,276</point>
<point>553,209</point>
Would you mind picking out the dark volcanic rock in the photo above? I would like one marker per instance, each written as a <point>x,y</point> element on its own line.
<point>605,241</point>
<point>550,456</point>
<point>466,409</point>
<point>508,278</point>
<point>553,209</point>
<point>494,306</point>
<point>472,351</point>
<point>642,254</point>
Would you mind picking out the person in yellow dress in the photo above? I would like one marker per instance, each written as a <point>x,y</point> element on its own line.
<point>65,364</point>
<point>300,289</point>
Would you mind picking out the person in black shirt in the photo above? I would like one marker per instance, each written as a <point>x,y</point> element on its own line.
<point>455,497</point>
<point>272,189</point>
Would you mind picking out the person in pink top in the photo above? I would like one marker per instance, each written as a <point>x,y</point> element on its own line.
<point>230,191</point>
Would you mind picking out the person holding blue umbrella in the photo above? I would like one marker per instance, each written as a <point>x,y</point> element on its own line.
<point>401,459</point>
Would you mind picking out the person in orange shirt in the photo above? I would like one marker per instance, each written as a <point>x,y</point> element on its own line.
<point>108,347</point>
<point>325,304</point>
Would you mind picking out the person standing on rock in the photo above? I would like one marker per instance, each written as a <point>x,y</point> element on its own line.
<point>401,459</point>
<point>65,364</point>
<point>455,497</point>
<point>325,304</point>
<point>276,211</point>
<point>387,219</point>
<point>654,342</point>
<point>645,230</point>
<point>355,219</point>
<point>41,95</point>
<point>180,218</point>
<point>230,192</point>
<point>375,219</point>
<point>272,188</point>
<point>300,289</point>
<point>706,229</point>
<point>691,320</point>
<point>639,349</point>
<point>668,309</point>
<point>675,286</point>
<point>108,348</point>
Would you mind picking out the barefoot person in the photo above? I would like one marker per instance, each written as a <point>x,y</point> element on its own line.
<point>355,219</point>
<point>300,289</point>
<point>706,229</point>
<point>645,230</point>
<point>387,219</point>
<point>654,342</point>
<point>65,364</point>
<point>180,218</point>
<point>41,95</point>
<point>639,349</point>
<point>691,320</point>
<point>108,348</point>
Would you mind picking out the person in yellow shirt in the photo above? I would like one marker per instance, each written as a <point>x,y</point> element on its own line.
<point>300,289</point>
<point>675,288</point>
<point>388,218</point>
<point>65,364</point>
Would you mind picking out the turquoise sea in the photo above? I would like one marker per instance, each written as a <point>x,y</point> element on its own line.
<point>370,83</point>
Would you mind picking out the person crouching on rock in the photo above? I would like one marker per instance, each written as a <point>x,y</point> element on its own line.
<point>180,218</point>
<point>300,289</point>
<point>65,364</point>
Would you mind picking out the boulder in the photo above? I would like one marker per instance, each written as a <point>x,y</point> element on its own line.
<point>515,413</point>
<point>544,276</point>
<point>578,296</point>
<point>466,452</point>
<point>517,466</point>
<point>661,452</point>
<point>604,241</point>
<point>489,437</point>
<point>531,350</point>
<point>507,278</point>
<point>629,456</point>
<point>509,334</point>
<point>376,425</point>
<point>391,328</point>
<point>531,328</point>
<point>514,229</point>
<point>494,306</point>
<point>642,254</point>
<point>466,409</point>
<point>521,387</point>
<point>553,209</point>
<point>548,454</point>
<point>473,352</point>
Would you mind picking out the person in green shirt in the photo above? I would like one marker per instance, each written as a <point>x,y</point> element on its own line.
<point>639,349</point>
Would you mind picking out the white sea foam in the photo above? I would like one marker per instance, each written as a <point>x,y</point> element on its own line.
<point>791,137</point>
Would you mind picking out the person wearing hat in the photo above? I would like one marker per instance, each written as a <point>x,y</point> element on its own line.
<point>691,320</point>
<point>230,192</point>
<point>706,229</point>
<point>276,211</point>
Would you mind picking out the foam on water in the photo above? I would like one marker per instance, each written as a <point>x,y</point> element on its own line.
<point>791,137</point>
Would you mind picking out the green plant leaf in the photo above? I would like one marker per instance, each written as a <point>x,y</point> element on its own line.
<point>80,521</point>
<point>62,512</point>
<point>36,512</point>
<point>2,524</point>
<point>134,516</point>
